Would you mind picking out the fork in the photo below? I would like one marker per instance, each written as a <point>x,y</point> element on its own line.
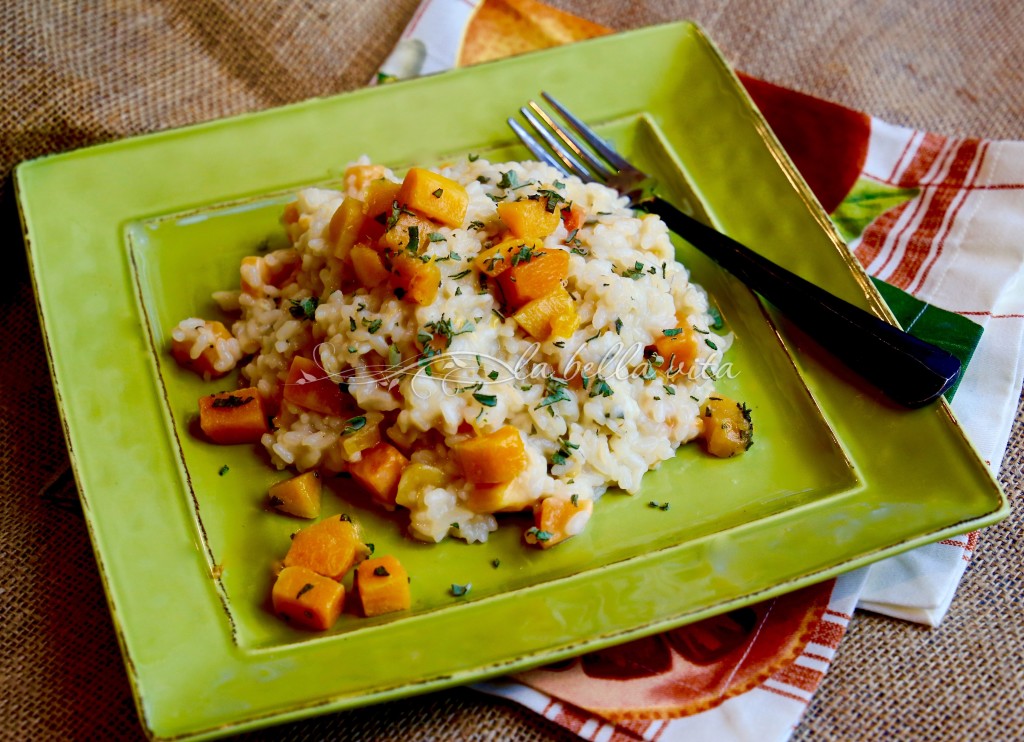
<point>908,370</point>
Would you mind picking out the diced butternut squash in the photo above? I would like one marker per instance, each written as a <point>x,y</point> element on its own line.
<point>309,387</point>
<point>549,316</point>
<point>498,258</point>
<point>298,496</point>
<point>416,478</point>
<point>726,427</point>
<point>434,196</point>
<point>306,599</point>
<point>361,433</point>
<point>380,198</point>
<point>493,458</point>
<point>573,217</point>
<point>557,519</point>
<point>359,177</point>
<point>233,417</point>
<point>378,471</point>
<point>678,349</point>
<point>537,275</point>
<point>254,275</point>
<point>345,224</point>
<point>409,232</point>
<point>415,280</point>
<point>529,217</point>
<point>498,498</point>
<point>329,548</point>
<point>181,351</point>
<point>383,586</point>
<point>368,265</point>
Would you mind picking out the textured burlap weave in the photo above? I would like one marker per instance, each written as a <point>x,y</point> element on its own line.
<point>77,73</point>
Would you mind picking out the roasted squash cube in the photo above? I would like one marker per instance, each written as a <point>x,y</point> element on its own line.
<point>493,458</point>
<point>553,315</point>
<point>306,599</point>
<point>383,586</point>
<point>498,498</point>
<point>557,519</point>
<point>233,417</point>
<point>379,470</point>
<point>368,265</point>
<point>726,426</point>
<point>678,349</point>
<point>298,496</point>
<point>434,196</point>
<point>308,386</point>
<point>329,548</point>
<point>345,224</point>
<point>538,274</point>
<point>416,280</point>
<point>529,217</point>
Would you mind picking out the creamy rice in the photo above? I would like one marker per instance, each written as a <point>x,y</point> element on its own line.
<point>627,289</point>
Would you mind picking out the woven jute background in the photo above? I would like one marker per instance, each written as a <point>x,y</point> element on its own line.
<point>78,73</point>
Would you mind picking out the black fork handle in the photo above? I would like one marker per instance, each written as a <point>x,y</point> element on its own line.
<point>910,371</point>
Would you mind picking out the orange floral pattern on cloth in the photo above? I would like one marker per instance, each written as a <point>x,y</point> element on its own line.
<point>698,666</point>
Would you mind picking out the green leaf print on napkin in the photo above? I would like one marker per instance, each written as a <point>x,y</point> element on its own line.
<point>948,330</point>
<point>867,200</point>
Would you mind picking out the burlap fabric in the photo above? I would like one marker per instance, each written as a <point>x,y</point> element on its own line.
<point>77,73</point>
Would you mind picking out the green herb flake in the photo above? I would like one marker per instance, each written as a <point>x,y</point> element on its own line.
<point>539,535</point>
<point>414,239</point>
<point>304,308</point>
<point>305,589</point>
<point>461,274</point>
<point>459,590</point>
<point>487,400</point>
<point>372,327</point>
<point>670,390</point>
<point>473,157</point>
<point>635,273</point>
<point>717,322</point>
<point>495,563</point>
<point>223,470</point>
<point>600,387</point>
<point>659,505</point>
<point>673,332</point>
<point>438,193</point>
<point>230,401</point>
<point>381,571</point>
<point>575,500</point>
<point>437,237</point>
<point>710,344</point>
<point>353,424</point>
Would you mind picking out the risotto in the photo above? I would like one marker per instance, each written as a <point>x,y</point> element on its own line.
<point>483,339</point>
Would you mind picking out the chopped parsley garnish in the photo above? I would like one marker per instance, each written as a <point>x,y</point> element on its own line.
<point>461,274</point>
<point>483,179</point>
<point>443,327</point>
<point>673,332</point>
<point>636,272</point>
<point>372,327</point>
<point>476,224</point>
<point>459,590</point>
<point>717,321</point>
<point>305,589</point>
<point>670,390</point>
<point>710,344</point>
<point>524,253</point>
<point>493,375</point>
<point>495,563</point>
<point>487,400</point>
<point>231,401</point>
<point>539,535</point>
<point>275,501</point>
<point>509,180</point>
<point>437,237</point>
<point>304,308</point>
<point>553,199</point>
<point>381,571</point>
<point>352,324</point>
<point>618,325</point>
<point>473,157</point>
<point>555,388</point>
<point>575,500</point>
<point>414,239</point>
<point>438,193</point>
<point>223,470</point>
<point>658,505</point>
<point>600,387</point>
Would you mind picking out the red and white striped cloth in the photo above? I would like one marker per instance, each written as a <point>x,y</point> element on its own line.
<point>957,244</point>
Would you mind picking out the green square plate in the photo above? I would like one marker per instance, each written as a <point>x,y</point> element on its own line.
<point>125,239</point>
